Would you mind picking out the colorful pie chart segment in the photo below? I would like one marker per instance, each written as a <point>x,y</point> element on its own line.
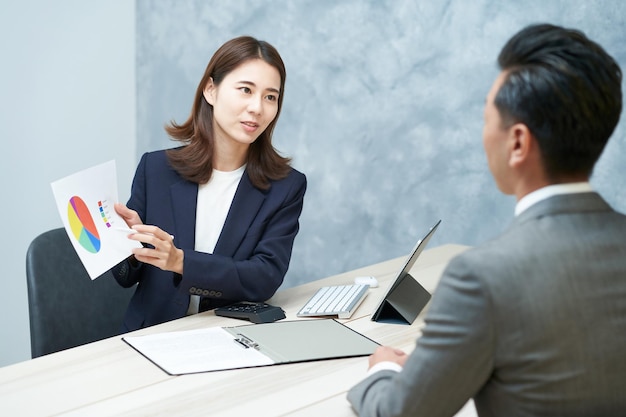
<point>82,225</point>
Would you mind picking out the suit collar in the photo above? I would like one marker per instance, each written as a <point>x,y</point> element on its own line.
<point>564,203</point>
<point>184,202</point>
<point>246,204</point>
<point>243,210</point>
<point>549,191</point>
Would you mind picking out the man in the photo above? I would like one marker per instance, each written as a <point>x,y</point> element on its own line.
<point>532,323</point>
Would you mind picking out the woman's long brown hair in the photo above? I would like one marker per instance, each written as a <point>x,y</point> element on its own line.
<point>194,161</point>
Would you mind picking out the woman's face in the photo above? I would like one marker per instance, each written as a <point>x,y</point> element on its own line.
<point>244,103</point>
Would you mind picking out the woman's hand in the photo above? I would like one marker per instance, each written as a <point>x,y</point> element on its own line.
<point>130,216</point>
<point>161,253</point>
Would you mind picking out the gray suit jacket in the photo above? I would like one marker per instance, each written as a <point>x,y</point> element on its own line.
<point>532,323</point>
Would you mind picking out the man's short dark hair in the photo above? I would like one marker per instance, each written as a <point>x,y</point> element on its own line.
<point>566,89</point>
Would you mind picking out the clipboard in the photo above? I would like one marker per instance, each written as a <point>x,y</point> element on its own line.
<point>253,345</point>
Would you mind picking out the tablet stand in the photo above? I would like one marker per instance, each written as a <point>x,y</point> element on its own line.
<point>403,303</point>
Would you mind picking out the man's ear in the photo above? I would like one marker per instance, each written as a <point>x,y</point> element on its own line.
<point>209,92</point>
<point>522,145</point>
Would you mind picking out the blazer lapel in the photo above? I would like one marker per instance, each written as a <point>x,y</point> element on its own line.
<point>184,201</point>
<point>243,210</point>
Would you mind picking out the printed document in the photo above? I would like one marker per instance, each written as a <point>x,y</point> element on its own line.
<point>85,203</point>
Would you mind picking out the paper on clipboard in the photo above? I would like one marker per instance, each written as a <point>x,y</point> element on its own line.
<point>85,203</point>
<point>222,348</point>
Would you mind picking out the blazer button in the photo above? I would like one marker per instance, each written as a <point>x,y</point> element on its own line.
<point>205,293</point>
<point>212,293</point>
<point>218,293</point>
<point>192,290</point>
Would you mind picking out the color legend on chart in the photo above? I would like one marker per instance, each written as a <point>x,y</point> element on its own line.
<point>82,225</point>
<point>102,207</point>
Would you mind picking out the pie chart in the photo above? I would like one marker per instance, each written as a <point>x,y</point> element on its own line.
<point>82,225</point>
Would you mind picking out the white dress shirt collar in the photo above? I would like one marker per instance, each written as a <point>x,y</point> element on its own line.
<point>549,191</point>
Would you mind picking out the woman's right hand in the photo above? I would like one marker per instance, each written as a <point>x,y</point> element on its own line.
<point>130,216</point>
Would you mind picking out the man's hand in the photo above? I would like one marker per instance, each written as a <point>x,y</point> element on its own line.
<point>387,354</point>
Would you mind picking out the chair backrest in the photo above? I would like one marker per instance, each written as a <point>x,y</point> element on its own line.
<point>66,307</point>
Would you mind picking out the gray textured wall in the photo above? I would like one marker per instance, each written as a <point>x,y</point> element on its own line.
<point>67,102</point>
<point>382,111</point>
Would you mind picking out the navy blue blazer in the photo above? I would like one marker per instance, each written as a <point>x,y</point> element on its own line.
<point>251,256</point>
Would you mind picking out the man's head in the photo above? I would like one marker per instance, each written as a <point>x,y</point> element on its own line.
<point>565,90</point>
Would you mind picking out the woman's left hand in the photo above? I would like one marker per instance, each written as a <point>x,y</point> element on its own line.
<point>163,253</point>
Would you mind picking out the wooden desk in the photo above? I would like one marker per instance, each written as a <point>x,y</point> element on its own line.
<point>110,378</point>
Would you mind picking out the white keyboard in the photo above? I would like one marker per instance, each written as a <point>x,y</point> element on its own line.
<point>335,300</point>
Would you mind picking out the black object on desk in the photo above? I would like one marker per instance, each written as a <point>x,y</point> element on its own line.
<point>255,312</point>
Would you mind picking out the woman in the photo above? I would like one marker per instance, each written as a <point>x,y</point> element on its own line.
<point>217,216</point>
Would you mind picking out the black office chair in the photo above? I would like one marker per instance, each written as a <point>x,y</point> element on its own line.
<point>66,307</point>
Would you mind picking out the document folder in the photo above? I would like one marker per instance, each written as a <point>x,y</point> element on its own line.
<point>252,345</point>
